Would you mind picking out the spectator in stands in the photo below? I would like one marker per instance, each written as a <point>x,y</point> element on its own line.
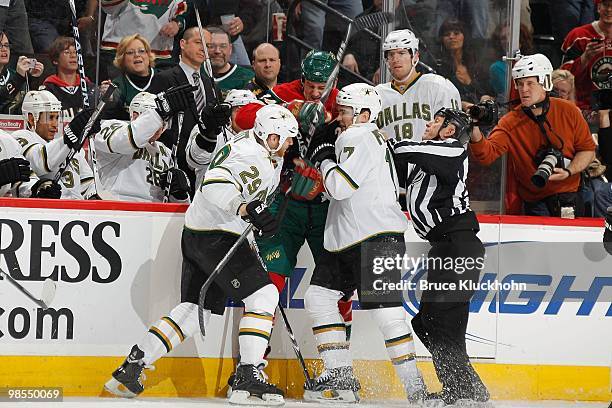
<point>569,14</point>
<point>227,75</point>
<point>498,71</point>
<point>563,85</point>
<point>237,17</point>
<point>13,81</point>
<point>14,22</point>
<point>461,65</point>
<point>587,54</point>
<point>313,18</point>
<point>65,83</point>
<point>522,136</point>
<point>266,64</point>
<point>475,13</point>
<point>157,22</point>
<point>136,61</point>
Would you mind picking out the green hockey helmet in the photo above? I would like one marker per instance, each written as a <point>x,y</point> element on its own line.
<point>317,66</point>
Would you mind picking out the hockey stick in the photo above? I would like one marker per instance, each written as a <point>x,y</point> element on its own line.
<point>173,160</point>
<point>83,85</point>
<point>309,381</point>
<point>46,297</point>
<point>96,113</point>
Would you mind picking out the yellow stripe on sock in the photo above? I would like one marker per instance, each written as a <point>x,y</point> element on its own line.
<point>401,359</point>
<point>258,316</point>
<point>175,326</point>
<point>162,337</point>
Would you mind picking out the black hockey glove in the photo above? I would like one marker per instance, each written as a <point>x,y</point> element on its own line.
<point>322,151</point>
<point>76,127</point>
<point>13,170</point>
<point>179,185</point>
<point>174,100</point>
<point>213,119</point>
<point>46,189</point>
<point>607,237</point>
<point>259,215</point>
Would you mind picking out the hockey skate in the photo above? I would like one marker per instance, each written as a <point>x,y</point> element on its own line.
<point>127,379</point>
<point>335,385</point>
<point>446,399</point>
<point>250,388</point>
<point>230,381</point>
<point>416,391</point>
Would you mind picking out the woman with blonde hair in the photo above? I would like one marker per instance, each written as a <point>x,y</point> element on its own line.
<point>136,61</point>
<point>563,84</point>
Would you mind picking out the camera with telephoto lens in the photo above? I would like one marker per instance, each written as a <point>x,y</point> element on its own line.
<point>548,158</point>
<point>485,113</point>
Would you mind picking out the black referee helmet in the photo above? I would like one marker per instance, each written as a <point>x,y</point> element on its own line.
<point>461,120</point>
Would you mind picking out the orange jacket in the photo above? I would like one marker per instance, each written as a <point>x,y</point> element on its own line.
<point>520,137</point>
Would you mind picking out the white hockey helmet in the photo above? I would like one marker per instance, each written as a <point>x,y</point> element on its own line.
<point>240,97</point>
<point>536,65</point>
<point>275,119</point>
<point>142,102</point>
<point>401,39</point>
<point>37,102</point>
<point>360,96</point>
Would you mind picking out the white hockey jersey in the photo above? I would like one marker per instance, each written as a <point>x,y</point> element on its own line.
<point>130,166</point>
<point>198,159</point>
<point>406,112</point>
<point>242,171</point>
<point>45,159</point>
<point>9,148</point>
<point>363,188</point>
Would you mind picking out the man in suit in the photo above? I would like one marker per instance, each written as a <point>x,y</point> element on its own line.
<point>207,113</point>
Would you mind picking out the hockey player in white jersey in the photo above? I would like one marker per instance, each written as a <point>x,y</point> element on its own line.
<point>16,177</point>
<point>410,100</point>
<point>363,216</point>
<point>133,164</point>
<point>203,143</point>
<point>46,152</point>
<point>234,191</point>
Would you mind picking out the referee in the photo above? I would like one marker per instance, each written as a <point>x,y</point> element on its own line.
<point>439,206</point>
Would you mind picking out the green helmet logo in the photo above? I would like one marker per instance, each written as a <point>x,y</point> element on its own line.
<point>317,66</point>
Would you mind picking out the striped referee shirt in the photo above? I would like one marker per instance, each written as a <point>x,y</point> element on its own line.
<point>436,173</point>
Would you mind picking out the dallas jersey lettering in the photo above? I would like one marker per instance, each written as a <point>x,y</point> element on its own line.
<point>147,17</point>
<point>198,159</point>
<point>242,171</point>
<point>45,159</point>
<point>130,167</point>
<point>363,188</point>
<point>9,148</point>
<point>406,111</point>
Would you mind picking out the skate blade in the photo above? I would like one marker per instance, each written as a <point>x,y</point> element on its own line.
<point>239,397</point>
<point>116,388</point>
<point>466,403</point>
<point>332,396</point>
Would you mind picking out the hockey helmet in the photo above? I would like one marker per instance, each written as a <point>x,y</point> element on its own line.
<point>317,66</point>
<point>536,65</point>
<point>401,39</point>
<point>360,96</point>
<point>142,102</point>
<point>240,97</point>
<point>460,120</point>
<point>274,119</point>
<point>37,102</point>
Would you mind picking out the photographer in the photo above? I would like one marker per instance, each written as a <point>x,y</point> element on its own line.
<point>547,140</point>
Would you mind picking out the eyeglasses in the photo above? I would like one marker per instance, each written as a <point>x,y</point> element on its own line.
<point>69,53</point>
<point>215,46</point>
<point>139,51</point>
<point>6,46</point>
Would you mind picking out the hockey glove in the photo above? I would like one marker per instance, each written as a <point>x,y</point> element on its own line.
<point>607,237</point>
<point>213,119</point>
<point>46,189</point>
<point>310,115</point>
<point>307,181</point>
<point>74,131</point>
<point>13,170</point>
<point>179,185</point>
<point>322,151</point>
<point>174,100</point>
<point>259,215</point>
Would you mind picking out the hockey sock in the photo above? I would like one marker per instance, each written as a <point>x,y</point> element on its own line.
<point>169,331</point>
<point>327,326</point>
<point>345,306</point>
<point>400,345</point>
<point>256,324</point>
